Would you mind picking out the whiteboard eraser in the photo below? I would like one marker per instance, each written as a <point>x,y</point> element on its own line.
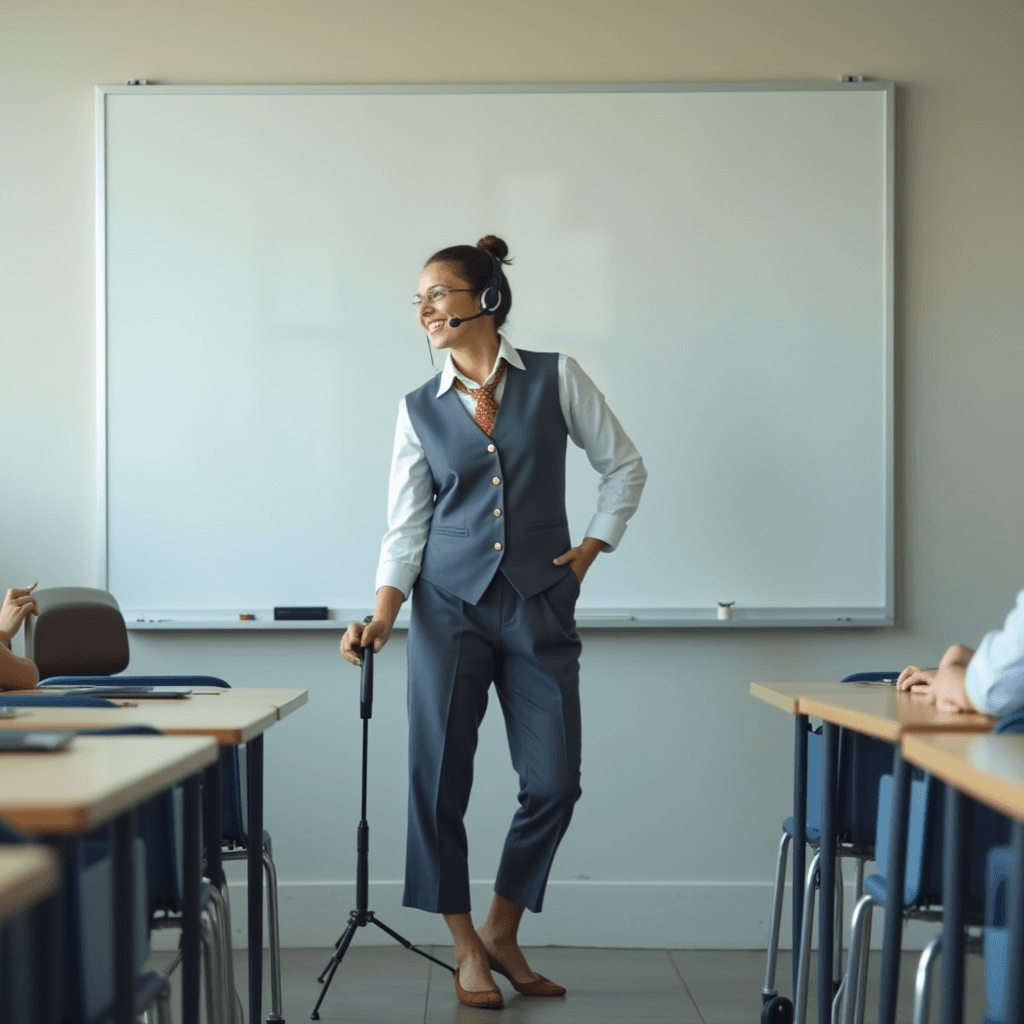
<point>307,613</point>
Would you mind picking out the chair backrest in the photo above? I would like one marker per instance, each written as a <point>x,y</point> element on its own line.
<point>79,631</point>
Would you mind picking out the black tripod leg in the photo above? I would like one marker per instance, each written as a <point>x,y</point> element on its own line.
<point>328,973</point>
<point>409,945</point>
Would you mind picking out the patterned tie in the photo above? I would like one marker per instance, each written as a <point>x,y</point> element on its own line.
<point>486,406</point>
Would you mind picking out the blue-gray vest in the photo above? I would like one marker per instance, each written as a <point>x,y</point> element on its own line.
<point>499,501</point>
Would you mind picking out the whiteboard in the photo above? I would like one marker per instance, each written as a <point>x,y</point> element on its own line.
<point>719,259</point>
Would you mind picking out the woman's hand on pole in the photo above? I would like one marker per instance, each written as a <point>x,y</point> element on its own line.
<point>377,631</point>
<point>581,558</point>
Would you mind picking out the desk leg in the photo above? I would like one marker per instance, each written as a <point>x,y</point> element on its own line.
<point>893,932</point>
<point>213,822</point>
<point>827,863</point>
<point>799,838</point>
<point>954,883</point>
<point>125,830</point>
<point>1015,922</point>
<point>48,939</point>
<point>254,774</point>
<point>190,912</point>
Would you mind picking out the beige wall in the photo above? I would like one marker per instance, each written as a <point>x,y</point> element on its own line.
<point>960,310</point>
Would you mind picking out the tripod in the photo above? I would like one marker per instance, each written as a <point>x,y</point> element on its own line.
<point>362,915</point>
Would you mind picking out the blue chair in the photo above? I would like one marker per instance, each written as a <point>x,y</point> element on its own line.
<point>79,636</point>
<point>922,892</point>
<point>164,901</point>
<point>862,762</point>
<point>996,939</point>
<point>89,935</point>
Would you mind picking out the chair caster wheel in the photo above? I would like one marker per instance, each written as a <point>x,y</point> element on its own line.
<point>777,1011</point>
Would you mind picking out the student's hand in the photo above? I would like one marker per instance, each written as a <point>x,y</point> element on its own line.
<point>945,687</point>
<point>912,675</point>
<point>359,635</point>
<point>581,558</point>
<point>18,605</point>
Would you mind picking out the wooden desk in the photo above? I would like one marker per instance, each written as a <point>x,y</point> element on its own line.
<point>989,769</point>
<point>284,700</point>
<point>231,724</point>
<point>28,874</point>
<point>877,710</point>
<point>101,779</point>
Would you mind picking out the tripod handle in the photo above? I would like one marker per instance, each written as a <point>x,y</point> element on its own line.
<point>366,682</point>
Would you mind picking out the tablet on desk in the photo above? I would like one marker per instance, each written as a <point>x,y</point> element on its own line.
<point>31,741</point>
<point>160,692</point>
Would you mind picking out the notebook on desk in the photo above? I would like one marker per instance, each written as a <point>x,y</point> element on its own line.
<point>29,740</point>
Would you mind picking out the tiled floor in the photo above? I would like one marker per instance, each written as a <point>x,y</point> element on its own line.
<point>389,985</point>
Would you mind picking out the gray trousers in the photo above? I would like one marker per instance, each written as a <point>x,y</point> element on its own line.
<point>530,651</point>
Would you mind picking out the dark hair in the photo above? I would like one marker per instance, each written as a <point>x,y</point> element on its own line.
<point>476,268</point>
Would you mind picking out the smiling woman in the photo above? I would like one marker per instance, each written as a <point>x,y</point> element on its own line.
<point>478,535</point>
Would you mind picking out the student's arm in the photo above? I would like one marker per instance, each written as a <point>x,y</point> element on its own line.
<point>995,676</point>
<point>16,673</point>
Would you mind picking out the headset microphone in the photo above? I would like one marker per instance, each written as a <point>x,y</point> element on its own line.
<point>456,321</point>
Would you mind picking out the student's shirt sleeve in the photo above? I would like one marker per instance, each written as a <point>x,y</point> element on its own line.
<point>995,675</point>
<point>594,428</point>
<point>410,507</point>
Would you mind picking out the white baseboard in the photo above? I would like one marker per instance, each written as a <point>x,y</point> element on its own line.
<point>623,915</point>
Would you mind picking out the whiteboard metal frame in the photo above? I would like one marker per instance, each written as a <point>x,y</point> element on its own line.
<point>751,618</point>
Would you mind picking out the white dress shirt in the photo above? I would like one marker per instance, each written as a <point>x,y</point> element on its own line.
<point>591,424</point>
<point>995,675</point>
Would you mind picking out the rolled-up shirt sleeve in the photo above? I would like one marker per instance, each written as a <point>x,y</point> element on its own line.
<point>594,428</point>
<point>995,674</point>
<point>410,507</point>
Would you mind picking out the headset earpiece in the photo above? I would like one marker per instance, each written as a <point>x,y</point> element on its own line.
<point>490,297</point>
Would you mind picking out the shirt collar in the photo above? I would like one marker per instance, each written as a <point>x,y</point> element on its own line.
<point>506,351</point>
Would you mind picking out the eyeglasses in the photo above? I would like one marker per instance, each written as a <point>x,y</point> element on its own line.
<point>438,292</point>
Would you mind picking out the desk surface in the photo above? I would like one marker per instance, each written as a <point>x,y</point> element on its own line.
<point>229,725</point>
<point>283,700</point>
<point>95,779</point>
<point>874,709</point>
<point>988,768</point>
<point>28,874</point>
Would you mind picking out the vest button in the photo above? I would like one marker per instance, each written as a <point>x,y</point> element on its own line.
<point>497,545</point>
<point>496,480</point>
<point>497,513</point>
<point>491,448</point>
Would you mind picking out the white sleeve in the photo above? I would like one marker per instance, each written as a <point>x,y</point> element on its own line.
<point>995,675</point>
<point>410,508</point>
<point>594,428</point>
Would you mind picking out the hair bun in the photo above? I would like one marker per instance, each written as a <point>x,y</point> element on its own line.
<point>494,245</point>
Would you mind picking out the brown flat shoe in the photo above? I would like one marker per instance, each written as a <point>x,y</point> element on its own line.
<point>488,999</point>
<point>541,987</point>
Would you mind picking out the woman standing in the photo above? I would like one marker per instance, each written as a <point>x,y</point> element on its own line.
<point>478,535</point>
